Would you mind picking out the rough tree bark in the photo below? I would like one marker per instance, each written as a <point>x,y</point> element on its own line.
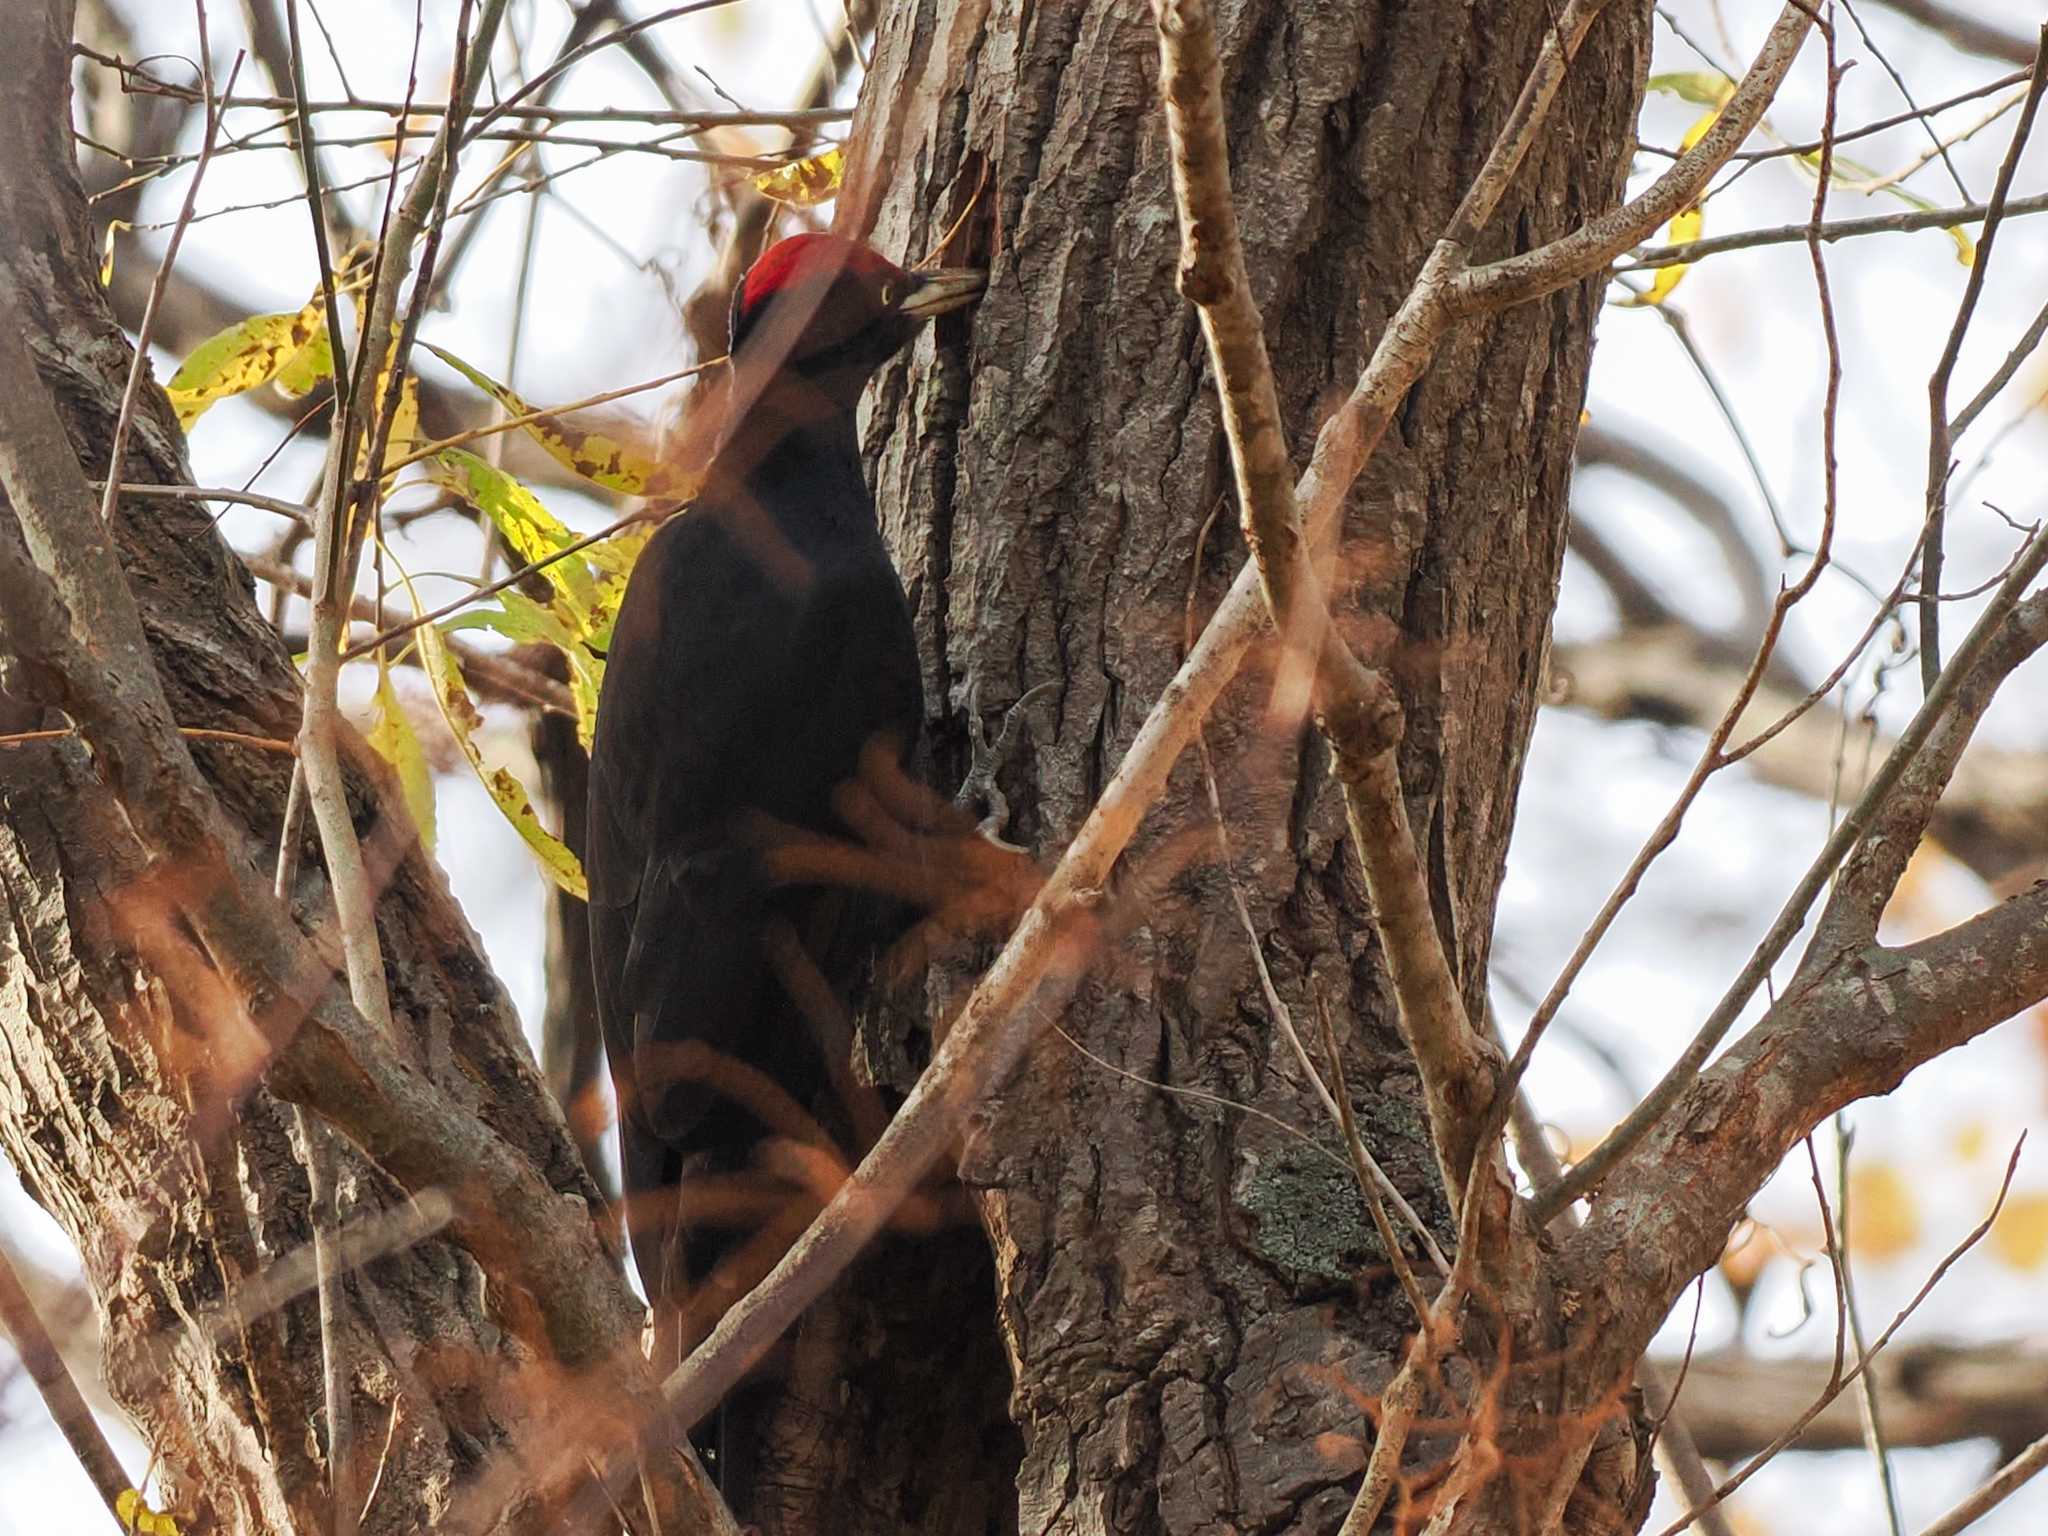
<point>1193,1303</point>
<point>121,1106</point>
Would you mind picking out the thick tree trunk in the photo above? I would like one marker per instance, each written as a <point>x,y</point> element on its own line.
<point>123,1105</point>
<point>1196,1311</point>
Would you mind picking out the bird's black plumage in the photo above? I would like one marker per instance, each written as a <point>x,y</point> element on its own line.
<point>763,645</point>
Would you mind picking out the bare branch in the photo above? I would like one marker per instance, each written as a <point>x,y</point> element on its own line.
<point>1935,1393</point>
<point>1966,32</point>
<point>45,1366</point>
<point>1588,1175</point>
<point>2002,1485</point>
<point>1356,708</point>
<point>1593,245</point>
<point>1840,229</point>
<point>1872,872</point>
<point>1839,1380</point>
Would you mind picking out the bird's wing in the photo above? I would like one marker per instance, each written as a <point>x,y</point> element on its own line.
<point>695,660</point>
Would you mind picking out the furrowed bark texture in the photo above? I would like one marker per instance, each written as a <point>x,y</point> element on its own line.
<point>1193,1303</point>
<point>119,1102</point>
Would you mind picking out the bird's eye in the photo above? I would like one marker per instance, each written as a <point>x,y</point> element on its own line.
<point>888,295</point>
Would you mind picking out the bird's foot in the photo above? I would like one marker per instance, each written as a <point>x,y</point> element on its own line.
<point>980,787</point>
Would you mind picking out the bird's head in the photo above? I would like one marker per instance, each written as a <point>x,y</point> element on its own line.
<point>833,311</point>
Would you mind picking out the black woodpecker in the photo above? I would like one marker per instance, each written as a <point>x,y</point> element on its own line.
<point>764,644</point>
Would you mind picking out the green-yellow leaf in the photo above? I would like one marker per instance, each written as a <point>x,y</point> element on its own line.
<point>393,739</point>
<point>308,366</point>
<point>614,559</point>
<point>1853,171</point>
<point>238,359</point>
<point>803,183</point>
<point>596,456</point>
<point>1706,87</point>
<point>586,677</point>
<point>452,694</point>
<point>532,531</point>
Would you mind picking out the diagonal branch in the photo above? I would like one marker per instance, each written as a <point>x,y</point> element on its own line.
<point>1588,249</point>
<point>1849,834</point>
<point>1356,707</point>
<point>40,1357</point>
<point>1854,1031</point>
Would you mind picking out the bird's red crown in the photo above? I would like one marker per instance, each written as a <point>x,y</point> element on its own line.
<point>789,262</point>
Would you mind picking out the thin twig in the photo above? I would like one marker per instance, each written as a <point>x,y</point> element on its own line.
<point>576,56</point>
<point>1871,1410</point>
<point>434,615</point>
<point>1937,147</point>
<point>1879,125</point>
<point>189,732</point>
<point>117,450</point>
<point>2002,375</point>
<point>144,84</point>
<point>549,413</point>
<point>383,1457</point>
<point>1369,1175</point>
<point>355,1244</point>
<point>44,1363</point>
<point>1594,244</point>
<point>1906,222</point>
<point>309,166</point>
<point>1940,439</point>
<point>297,511</point>
<point>1355,707</point>
<point>1797,1427</point>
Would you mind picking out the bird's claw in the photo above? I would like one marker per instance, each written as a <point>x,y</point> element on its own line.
<point>988,758</point>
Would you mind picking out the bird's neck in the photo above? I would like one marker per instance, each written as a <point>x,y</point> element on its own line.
<point>795,448</point>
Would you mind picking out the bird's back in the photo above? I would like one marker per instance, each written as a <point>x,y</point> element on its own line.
<point>762,645</point>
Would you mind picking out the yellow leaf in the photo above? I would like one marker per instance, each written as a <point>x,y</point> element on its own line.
<point>2020,1235</point>
<point>596,456</point>
<point>114,227</point>
<point>1683,228</point>
<point>1884,1221</point>
<point>1969,1141</point>
<point>1686,226</point>
<point>134,1513</point>
<point>405,420</point>
<point>614,559</point>
<point>803,183</point>
<point>238,359</point>
<point>393,739</point>
<point>452,694</point>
